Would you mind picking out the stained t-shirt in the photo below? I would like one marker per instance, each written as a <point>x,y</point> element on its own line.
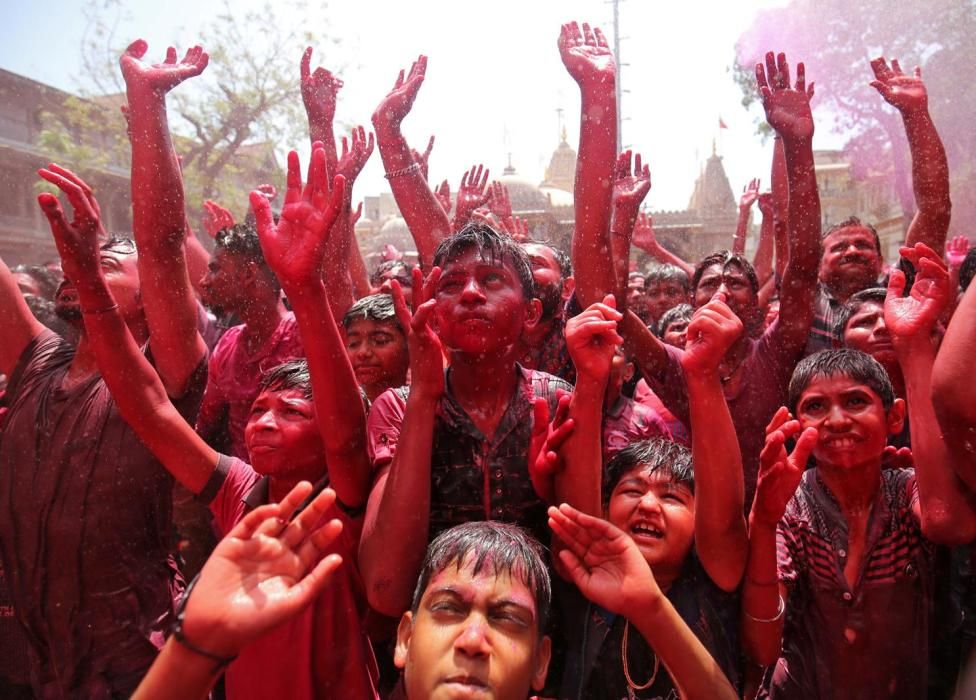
<point>323,652</point>
<point>85,517</point>
<point>628,422</point>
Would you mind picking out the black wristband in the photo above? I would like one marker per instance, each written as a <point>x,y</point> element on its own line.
<point>179,636</point>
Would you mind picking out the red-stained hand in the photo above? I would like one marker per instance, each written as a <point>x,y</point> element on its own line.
<point>355,215</point>
<point>86,190</point>
<point>897,458</point>
<point>516,227</point>
<point>630,186</point>
<point>780,471</point>
<point>352,160</point>
<point>268,190</point>
<point>956,249</point>
<point>712,331</point>
<point>498,201</point>
<point>472,193</point>
<point>914,316</point>
<point>423,159</point>
<point>320,90</point>
<point>396,105</point>
<point>603,562</point>
<point>443,194</point>
<point>750,193</point>
<point>77,240</point>
<point>159,78</point>
<point>787,109</point>
<point>586,54</point>
<point>592,339</point>
<point>216,219</point>
<point>545,458</point>
<point>644,237</point>
<point>423,345</point>
<point>906,93</point>
<point>766,204</point>
<point>294,247</point>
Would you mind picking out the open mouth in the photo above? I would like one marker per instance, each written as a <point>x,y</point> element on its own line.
<point>840,443</point>
<point>646,530</point>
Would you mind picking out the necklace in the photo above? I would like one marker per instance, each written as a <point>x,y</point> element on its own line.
<point>623,655</point>
<point>728,377</point>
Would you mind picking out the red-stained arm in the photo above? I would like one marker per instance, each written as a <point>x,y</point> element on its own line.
<point>930,169</point>
<point>763,260</point>
<point>645,239</point>
<point>159,216</point>
<point>425,218</point>
<point>18,327</point>
<point>788,112</point>
<point>749,195</point>
<point>320,90</point>
<point>357,266</point>
<point>629,190</point>
<point>779,183</point>
<point>589,61</point>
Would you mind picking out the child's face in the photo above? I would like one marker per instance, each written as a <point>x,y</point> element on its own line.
<point>658,514</point>
<point>282,434</point>
<point>676,333</point>
<point>852,422</point>
<point>473,636</point>
<point>866,331</point>
<point>663,295</point>
<point>480,305</point>
<point>378,353</point>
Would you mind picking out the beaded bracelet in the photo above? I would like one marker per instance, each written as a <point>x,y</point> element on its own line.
<point>412,168</point>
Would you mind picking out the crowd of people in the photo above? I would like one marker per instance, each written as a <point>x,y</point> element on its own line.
<point>512,469</point>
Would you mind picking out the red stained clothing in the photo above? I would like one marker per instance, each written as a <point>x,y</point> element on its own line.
<point>627,422</point>
<point>234,377</point>
<point>644,396</point>
<point>323,652</point>
<point>85,517</point>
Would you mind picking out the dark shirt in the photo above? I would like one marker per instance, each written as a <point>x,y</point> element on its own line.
<point>822,333</point>
<point>594,665</point>
<point>85,512</point>
<point>473,478</point>
<point>862,642</point>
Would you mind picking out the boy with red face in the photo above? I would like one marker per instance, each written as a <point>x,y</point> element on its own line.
<point>453,448</point>
<point>376,344</point>
<point>835,549</point>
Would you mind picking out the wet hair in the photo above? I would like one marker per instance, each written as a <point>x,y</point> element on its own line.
<point>850,222</point>
<point>44,311</point>
<point>504,547</point>
<point>375,307</point>
<point>119,244</point>
<point>292,374</point>
<point>654,455</point>
<point>47,281</point>
<point>494,247</point>
<point>726,258</point>
<point>562,258</point>
<point>968,269</point>
<point>667,273</point>
<point>854,303</point>
<point>242,240</point>
<point>681,312</point>
<point>637,274</point>
<point>857,366</point>
<point>405,279</point>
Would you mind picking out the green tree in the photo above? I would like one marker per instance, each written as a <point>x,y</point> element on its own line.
<point>836,39</point>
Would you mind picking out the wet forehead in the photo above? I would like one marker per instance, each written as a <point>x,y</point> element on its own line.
<point>484,588</point>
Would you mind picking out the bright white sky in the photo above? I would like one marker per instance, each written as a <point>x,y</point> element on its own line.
<point>494,79</point>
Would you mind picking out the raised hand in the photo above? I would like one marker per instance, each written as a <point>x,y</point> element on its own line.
<point>217,218</point>
<point>592,338</point>
<point>159,78</point>
<point>423,159</point>
<point>472,193</point>
<point>295,246</point>
<point>912,317</point>
<point>263,572</point>
<point>644,237</point>
<point>780,471</point>
<point>712,331</point>
<point>498,201</point>
<point>586,54</point>
<point>787,109</point>
<point>268,190</point>
<point>766,204</point>
<point>396,105</point>
<point>956,249</point>
<point>548,437</point>
<point>424,347</point>
<point>750,193</point>
<point>443,194</point>
<point>630,186</point>
<point>320,90</point>
<point>906,93</point>
<point>516,227</point>
<point>352,160</point>
<point>77,240</point>
<point>604,563</point>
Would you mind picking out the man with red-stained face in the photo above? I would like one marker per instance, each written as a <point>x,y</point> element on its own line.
<point>544,345</point>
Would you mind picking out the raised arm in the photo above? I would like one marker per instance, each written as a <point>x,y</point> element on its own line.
<point>763,260</point>
<point>320,90</point>
<point>399,502</point>
<point>780,187</point>
<point>589,61</point>
<point>944,507</point>
<point>425,218</point>
<point>930,169</point>
<point>294,249</point>
<point>135,386</point>
<point>720,528</point>
<point>608,569</point>
<point>750,193</point>
<point>472,193</point>
<point>645,239</point>
<point>158,213</point>
<point>788,112</point>
<point>630,187</point>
